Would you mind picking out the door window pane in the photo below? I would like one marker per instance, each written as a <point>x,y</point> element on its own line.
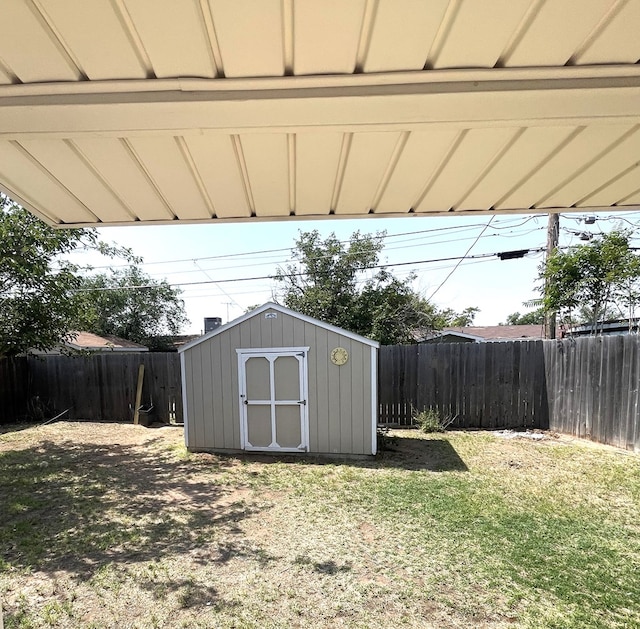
<point>287,378</point>
<point>259,425</point>
<point>257,372</point>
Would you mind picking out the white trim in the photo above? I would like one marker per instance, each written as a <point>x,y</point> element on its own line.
<point>270,350</point>
<point>183,377</point>
<point>598,209</point>
<point>272,354</point>
<point>283,310</point>
<point>374,400</point>
<point>242,386</point>
<point>471,99</point>
<point>249,448</point>
<point>415,77</point>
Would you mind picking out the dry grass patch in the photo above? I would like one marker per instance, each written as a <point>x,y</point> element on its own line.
<point>117,526</point>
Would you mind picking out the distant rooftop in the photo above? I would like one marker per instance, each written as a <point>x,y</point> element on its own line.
<point>490,333</point>
<point>92,342</point>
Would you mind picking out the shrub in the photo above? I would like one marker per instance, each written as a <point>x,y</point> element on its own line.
<point>430,420</point>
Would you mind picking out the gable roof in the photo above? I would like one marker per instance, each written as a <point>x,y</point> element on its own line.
<point>278,308</point>
<point>415,108</point>
<point>88,341</point>
<point>443,333</point>
<point>499,332</point>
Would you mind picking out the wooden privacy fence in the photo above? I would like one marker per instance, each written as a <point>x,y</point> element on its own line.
<point>482,385</point>
<point>587,387</point>
<point>592,387</point>
<point>100,387</point>
<point>14,382</point>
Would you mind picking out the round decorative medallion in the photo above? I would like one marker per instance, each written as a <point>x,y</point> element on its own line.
<point>339,356</point>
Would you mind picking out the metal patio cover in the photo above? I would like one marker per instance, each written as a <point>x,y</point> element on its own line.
<point>152,111</point>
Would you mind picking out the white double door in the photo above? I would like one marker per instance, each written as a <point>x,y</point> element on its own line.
<point>274,414</point>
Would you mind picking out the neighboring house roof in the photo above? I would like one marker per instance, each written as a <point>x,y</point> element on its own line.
<point>282,309</point>
<point>492,333</point>
<point>89,342</point>
<point>612,327</point>
<point>178,341</point>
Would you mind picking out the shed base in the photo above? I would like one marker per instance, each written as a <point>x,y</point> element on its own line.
<point>296,455</point>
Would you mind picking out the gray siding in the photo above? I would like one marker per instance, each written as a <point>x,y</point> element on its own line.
<point>339,397</point>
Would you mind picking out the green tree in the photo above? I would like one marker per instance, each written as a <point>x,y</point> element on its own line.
<point>131,304</point>
<point>335,282</point>
<point>594,279</point>
<point>462,319</point>
<point>38,305</point>
<point>535,317</point>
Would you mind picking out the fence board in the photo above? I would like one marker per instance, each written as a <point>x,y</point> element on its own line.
<point>483,385</point>
<point>585,387</point>
<point>101,387</point>
<point>14,384</point>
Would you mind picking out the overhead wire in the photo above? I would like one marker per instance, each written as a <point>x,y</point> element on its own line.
<point>511,234</point>
<point>283,249</point>
<point>298,274</point>
<point>444,281</point>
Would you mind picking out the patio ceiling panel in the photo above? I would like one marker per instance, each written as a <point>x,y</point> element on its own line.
<point>530,150</point>
<point>615,40</point>
<point>471,155</point>
<point>113,159</point>
<point>250,37</point>
<point>173,36</point>
<point>134,111</point>
<point>68,165</point>
<point>552,34</point>
<point>422,153</point>
<point>633,199</point>
<point>267,159</point>
<point>317,161</point>
<point>402,34</point>
<point>591,147</point>
<point>218,161</point>
<point>28,182</point>
<point>30,51</point>
<point>621,156</point>
<point>566,160</point>
<point>459,46</point>
<point>168,164</point>
<point>367,158</point>
<point>617,190</point>
<point>88,29</point>
<point>326,36</point>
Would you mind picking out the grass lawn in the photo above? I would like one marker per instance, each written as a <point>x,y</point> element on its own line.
<point>117,526</point>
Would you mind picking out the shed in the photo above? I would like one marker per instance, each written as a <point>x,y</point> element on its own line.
<point>275,380</point>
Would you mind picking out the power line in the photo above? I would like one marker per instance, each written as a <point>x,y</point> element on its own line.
<point>299,274</point>
<point>267,251</point>
<point>509,234</point>
<point>463,257</point>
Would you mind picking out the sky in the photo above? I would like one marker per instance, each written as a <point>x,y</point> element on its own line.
<point>212,264</point>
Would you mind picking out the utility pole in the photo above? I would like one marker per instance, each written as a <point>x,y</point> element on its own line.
<point>553,231</point>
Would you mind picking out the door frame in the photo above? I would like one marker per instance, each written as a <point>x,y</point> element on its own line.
<point>271,354</point>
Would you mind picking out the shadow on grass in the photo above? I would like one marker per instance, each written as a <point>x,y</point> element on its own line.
<point>433,455</point>
<point>78,507</point>
<point>328,567</point>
